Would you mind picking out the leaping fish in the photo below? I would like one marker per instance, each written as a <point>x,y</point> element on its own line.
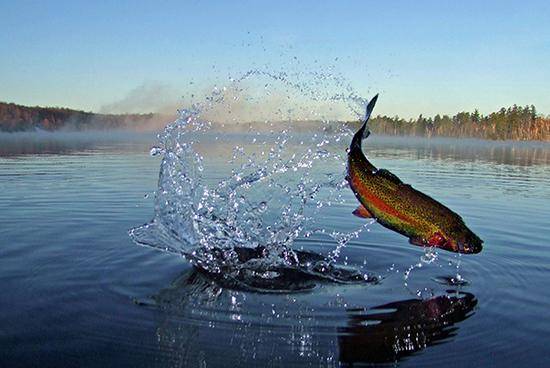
<point>401,208</point>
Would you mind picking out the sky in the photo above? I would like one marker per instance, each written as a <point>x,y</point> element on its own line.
<point>423,57</point>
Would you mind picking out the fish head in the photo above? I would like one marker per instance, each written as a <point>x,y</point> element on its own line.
<point>468,242</point>
<point>462,240</point>
<point>458,241</point>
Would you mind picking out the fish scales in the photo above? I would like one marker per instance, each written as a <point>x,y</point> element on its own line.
<point>400,207</point>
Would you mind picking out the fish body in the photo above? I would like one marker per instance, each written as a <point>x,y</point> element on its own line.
<point>400,207</point>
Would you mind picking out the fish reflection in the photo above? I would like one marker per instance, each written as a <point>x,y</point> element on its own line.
<point>206,324</point>
<point>391,331</point>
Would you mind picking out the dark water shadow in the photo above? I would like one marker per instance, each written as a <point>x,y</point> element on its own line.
<point>206,324</point>
<point>258,272</point>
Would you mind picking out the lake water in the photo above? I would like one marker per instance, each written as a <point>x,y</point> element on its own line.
<point>78,292</point>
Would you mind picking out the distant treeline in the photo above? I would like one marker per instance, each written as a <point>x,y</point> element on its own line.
<point>513,123</point>
<point>17,118</point>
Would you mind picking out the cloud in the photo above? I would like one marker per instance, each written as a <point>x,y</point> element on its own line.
<point>265,100</point>
<point>149,97</point>
<point>258,99</point>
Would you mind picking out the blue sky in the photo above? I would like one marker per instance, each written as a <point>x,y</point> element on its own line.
<point>423,57</point>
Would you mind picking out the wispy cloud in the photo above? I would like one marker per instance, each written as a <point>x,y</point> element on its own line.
<point>148,97</point>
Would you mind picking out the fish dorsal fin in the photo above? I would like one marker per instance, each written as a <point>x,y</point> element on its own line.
<point>383,173</point>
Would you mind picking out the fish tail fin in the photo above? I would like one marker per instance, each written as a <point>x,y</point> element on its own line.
<point>363,132</point>
<point>370,107</point>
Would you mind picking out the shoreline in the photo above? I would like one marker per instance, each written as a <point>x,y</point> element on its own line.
<point>514,123</point>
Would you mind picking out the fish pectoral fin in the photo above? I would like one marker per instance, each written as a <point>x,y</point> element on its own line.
<point>362,212</point>
<point>389,176</point>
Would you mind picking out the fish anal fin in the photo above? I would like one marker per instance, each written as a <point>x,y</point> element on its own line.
<point>388,175</point>
<point>362,212</point>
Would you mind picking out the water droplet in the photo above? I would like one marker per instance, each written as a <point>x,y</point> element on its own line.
<point>155,151</point>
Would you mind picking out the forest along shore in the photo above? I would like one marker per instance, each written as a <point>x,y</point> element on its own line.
<point>513,123</point>
<point>19,118</point>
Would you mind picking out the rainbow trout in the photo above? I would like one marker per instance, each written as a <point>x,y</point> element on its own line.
<point>401,208</point>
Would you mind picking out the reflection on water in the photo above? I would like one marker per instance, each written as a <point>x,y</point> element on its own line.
<point>207,324</point>
<point>66,143</point>
<point>70,275</point>
<point>508,152</point>
<point>392,331</point>
<point>519,153</point>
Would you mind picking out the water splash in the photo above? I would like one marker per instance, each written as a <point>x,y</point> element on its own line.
<point>242,224</point>
<point>453,280</point>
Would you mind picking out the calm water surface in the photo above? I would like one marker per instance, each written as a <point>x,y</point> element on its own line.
<point>77,292</point>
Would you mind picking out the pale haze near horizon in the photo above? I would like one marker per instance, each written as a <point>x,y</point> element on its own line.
<point>424,58</point>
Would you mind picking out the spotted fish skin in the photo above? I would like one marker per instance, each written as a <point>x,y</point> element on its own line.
<point>400,207</point>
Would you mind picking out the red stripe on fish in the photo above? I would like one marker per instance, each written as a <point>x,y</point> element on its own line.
<point>376,201</point>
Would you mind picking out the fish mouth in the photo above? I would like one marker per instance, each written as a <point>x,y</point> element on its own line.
<point>473,247</point>
<point>470,248</point>
<point>464,247</point>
